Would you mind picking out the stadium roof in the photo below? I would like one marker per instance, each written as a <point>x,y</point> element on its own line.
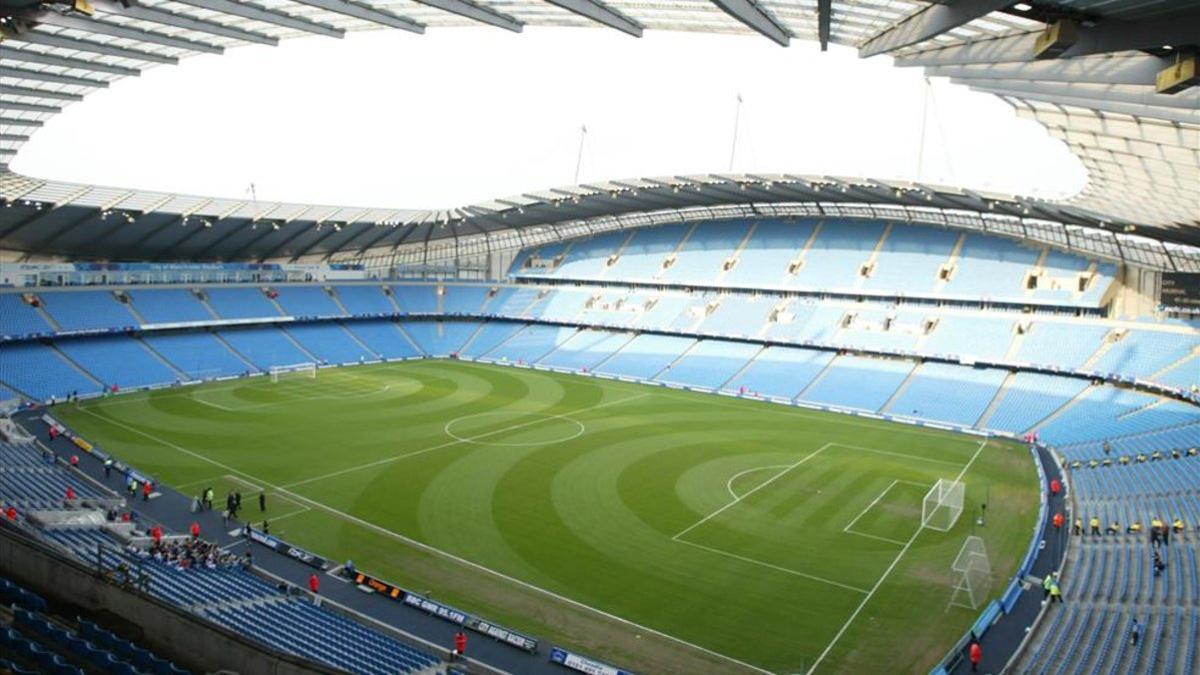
<point>1086,69</point>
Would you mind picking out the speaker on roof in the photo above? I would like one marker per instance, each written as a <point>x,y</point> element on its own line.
<point>1056,39</point>
<point>1180,75</point>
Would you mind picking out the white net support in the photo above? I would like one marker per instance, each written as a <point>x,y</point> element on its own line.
<point>972,572</point>
<point>294,371</point>
<point>943,505</point>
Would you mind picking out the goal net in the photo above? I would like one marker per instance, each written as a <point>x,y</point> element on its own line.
<point>972,574</point>
<point>943,505</point>
<point>294,371</point>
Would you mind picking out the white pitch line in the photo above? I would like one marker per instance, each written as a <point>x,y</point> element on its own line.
<point>458,440</point>
<point>871,536</point>
<point>450,556</point>
<point>870,506</point>
<point>915,458</point>
<point>760,486</point>
<point>885,574</point>
<point>777,568</point>
<point>729,483</point>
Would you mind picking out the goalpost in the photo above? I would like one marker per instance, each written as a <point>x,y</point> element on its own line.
<point>943,505</point>
<point>973,574</point>
<point>293,371</point>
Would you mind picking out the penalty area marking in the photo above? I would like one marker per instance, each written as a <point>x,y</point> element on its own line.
<point>729,483</point>
<point>544,417</point>
<point>849,529</point>
<point>886,573</point>
<point>295,399</point>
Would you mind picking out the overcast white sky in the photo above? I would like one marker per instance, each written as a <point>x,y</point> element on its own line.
<point>461,115</point>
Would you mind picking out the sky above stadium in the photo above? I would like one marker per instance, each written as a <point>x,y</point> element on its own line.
<point>462,115</point>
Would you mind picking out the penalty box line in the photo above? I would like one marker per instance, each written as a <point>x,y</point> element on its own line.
<point>786,570</point>
<point>849,528</point>
<point>886,573</point>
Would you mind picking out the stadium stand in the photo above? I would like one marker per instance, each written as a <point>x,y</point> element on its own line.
<point>265,347</point>
<point>87,310</point>
<point>307,301</point>
<point>241,302</point>
<point>858,382</point>
<point>331,343</point>
<point>384,338</point>
<point>40,372</point>
<point>169,305</point>
<point>119,360</point>
<point>199,355</point>
<point>365,300</point>
<point>18,318</point>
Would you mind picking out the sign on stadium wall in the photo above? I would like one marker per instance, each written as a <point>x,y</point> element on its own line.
<point>447,613</point>
<point>1180,289</point>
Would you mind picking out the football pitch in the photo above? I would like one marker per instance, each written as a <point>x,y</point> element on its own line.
<point>663,530</point>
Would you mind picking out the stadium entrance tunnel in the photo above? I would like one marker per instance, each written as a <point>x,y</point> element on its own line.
<point>507,429</point>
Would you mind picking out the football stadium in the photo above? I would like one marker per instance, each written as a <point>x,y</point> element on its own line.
<point>746,423</point>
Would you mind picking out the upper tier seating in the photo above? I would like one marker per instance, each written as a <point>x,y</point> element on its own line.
<point>362,300</point>
<point>307,301</point>
<point>87,310</point>
<point>1143,353</point>
<point>241,302</point>
<point>832,254</point>
<point>169,305</point>
<point>416,299</point>
<point>19,318</point>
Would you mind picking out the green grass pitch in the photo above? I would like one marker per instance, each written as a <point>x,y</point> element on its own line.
<point>664,530</point>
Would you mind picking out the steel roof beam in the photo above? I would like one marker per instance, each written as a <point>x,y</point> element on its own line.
<point>932,21</point>
<point>30,56</point>
<point>824,22</point>
<point>254,12</point>
<point>28,107</point>
<point>755,18</point>
<point>353,9</point>
<point>182,21</point>
<point>14,137</point>
<point>600,13</point>
<point>1134,109</point>
<point>1102,93</point>
<point>52,40</point>
<point>90,25</point>
<point>1128,69</point>
<point>44,76</point>
<point>17,122</point>
<point>33,92</point>
<point>476,12</point>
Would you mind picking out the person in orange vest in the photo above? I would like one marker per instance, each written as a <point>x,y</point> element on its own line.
<point>1058,521</point>
<point>195,530</point>
<point>976,654</point>
<point>460,643</point>
<point>314,584</point>
<point>146,489</point>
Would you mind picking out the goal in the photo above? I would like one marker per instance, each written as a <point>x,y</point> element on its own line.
<point>943,505</point>
<point>972,574</point>
<point>294,371</point>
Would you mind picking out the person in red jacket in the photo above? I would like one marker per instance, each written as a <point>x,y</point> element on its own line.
<point>75,461</point>
<point>1055,487</point>
<point>156,534</point>
<point>70,493</point>
<point>460,644</point>
<point>11,513</point>
<point>976,653</point>
<point>1058,521</point>
<point>195,530</point>
<point>314,584</point>
<point>146,489</point>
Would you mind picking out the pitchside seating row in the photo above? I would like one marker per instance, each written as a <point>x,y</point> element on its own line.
<point>1168,357</point>
<point>1111,580</point>
<point>1069,412</point>
<point>829,255</point>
